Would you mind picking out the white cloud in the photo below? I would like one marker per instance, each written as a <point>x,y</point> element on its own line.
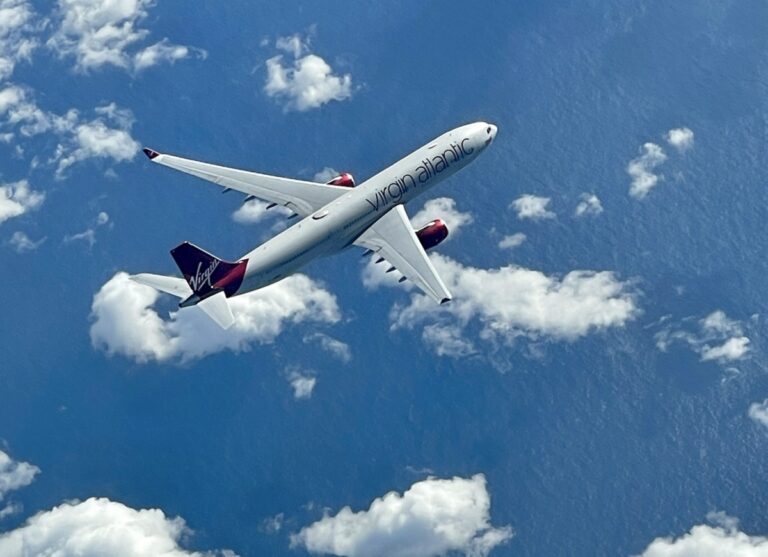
<point>588,206</point>
<point>98,527</point>
<point>17,198</point>
<point>17,27</point>
<point>254,211</point>
<point>758,411</point>
<point>718,338</point>
<point>512,241</point>
<point>22,243</point>
<point>431,518</point>
<point>334,346</point>
<point>325,175</point>
<point>15,475</point>
<point>442,208</point>
<point>126,322</point>
<point>303,385</point>
<point>511,302</point>
<point>89,235</point>
<point>106,32</point>
<point>98,139</point>
<point>680,138</point>
<point>306,83</point>
<point>641,170</point>
<point>723,539</point>
<point>532,207</point>
<point>732,349</point>
<point>106,136</point>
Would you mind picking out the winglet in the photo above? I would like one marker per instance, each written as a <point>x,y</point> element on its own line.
<point>150,153</point>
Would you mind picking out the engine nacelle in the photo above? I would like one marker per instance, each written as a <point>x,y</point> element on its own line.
<point>345,180</point>
<point>432,234</point>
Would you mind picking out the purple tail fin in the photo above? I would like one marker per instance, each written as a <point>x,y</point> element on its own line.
<point>206,274</point>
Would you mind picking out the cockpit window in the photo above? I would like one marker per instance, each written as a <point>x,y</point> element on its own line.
<point>488,131</point>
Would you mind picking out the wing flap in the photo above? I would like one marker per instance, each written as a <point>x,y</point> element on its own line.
<point>303,197</point>
<point>393,237</point>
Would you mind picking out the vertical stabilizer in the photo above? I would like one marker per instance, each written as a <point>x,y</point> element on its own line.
<point>206,274</point>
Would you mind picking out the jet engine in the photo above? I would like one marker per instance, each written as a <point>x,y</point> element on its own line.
<point>432,234</point>
<point>344,179</point>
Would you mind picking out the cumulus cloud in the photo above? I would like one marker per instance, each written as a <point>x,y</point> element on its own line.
<point>512,241</point>
<point>532,207</point>
<point>641,170</point>
<point>758,411</point>
<point>254,211</point>
<point>99,33</point>
<point>680,138</point>
<point>17,198</point>
<point>98,527</point>
<point>17,30</point>
<point>302,385</point>
<point>511,302</point>
<point>432,518</point>
<point>107,136</point>
<point>126,321</point>
<point>338,349</point>
<point>442,208</point>
<point>15,475</point>
<point>722,539</point>
<point>716,338</point>
<point>588,206</point>
<point>22,243</point>
<point>305,82</point>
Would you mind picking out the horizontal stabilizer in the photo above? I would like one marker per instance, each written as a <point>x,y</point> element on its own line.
<point>217,308</point>
<point>170,285</point>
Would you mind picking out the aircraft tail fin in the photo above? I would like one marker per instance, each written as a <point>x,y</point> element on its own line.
<point>206,274</point>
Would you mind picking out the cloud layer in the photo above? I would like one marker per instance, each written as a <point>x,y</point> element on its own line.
<point>96,528</point>
<point>126,321</point>
<point>432,518</point>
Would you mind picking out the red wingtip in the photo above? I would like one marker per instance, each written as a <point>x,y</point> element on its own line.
<point>150,153</point>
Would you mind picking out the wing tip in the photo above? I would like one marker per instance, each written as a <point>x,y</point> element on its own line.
<point>444,301</point>
<point>151,153</point>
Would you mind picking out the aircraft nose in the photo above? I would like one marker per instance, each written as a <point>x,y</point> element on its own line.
<point>490,133</point>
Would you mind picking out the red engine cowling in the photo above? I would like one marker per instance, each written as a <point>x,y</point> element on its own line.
<point>345,180</point>
<point>432,234</point>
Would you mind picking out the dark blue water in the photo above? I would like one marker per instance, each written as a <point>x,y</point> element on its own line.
<point>593,447</point>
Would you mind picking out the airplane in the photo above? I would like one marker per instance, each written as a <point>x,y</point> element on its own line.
<point>335,216</point>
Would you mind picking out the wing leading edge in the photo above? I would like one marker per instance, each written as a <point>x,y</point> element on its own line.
<point>304,198</point>
<point>393,237</point>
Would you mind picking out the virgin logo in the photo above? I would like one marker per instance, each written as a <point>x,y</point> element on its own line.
<point>202,278</point>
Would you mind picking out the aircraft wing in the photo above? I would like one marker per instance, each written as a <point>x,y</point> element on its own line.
<point>393,237</point>
<point>303,198</point>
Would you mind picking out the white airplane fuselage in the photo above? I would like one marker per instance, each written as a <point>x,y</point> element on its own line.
<point>336,225</point>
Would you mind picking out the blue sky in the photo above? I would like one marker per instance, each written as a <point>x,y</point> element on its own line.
<point>597,387</point>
